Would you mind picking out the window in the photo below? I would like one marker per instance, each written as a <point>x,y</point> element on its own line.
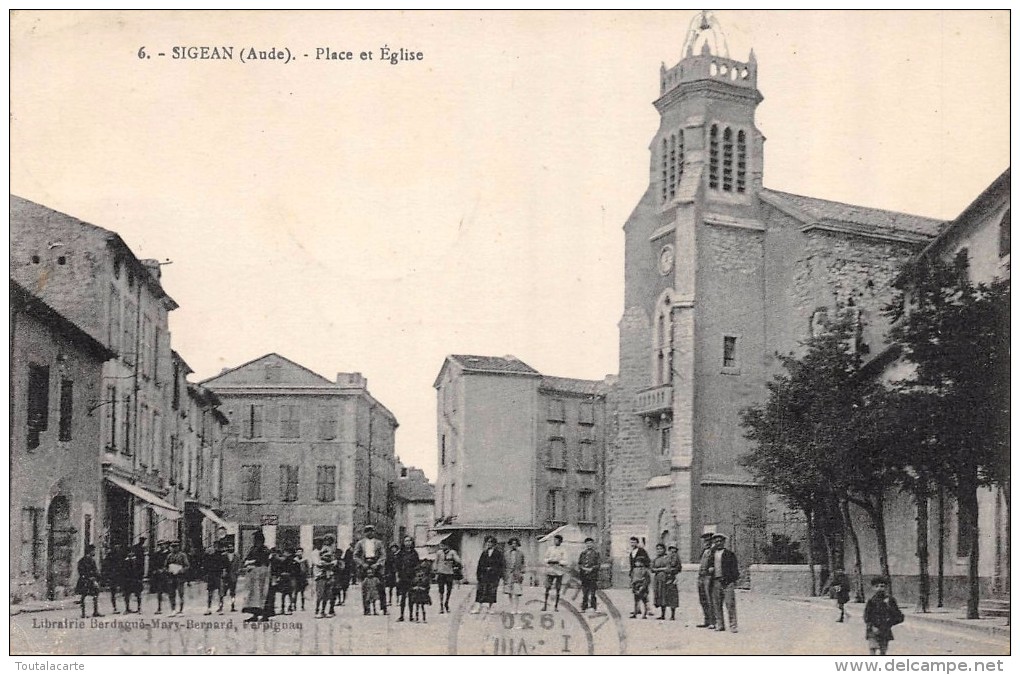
<point>729,352</point>
<point>288,483</point>
<point>125,447</point>
<point>554,505</point>
<point>113,336</point>
<point>586,413</point>
<point>38,403</point>
<point>442,449</point>
<point>31,541</point>
<point>585,512</point>
<point>327,422</point>
<point>156,452</point>
<point>290,421</point>
<point>273,371</point>
<point>727,163</point>
<point>586,451</point>
<point>713,157</point>
<point>672,166</point>
<point>662,345</point>
<point>176,402</point>
<point>664,434</point>
<point>453,499</point>
<point>253,425</point>
<point>557,453</point>
<point>664,160</point>
<point>156,337</point>
<point>143,436</point>
<point>129,348</point>
<point>741,161</point>
<point>111,418</point>
<point>174,453</point>
<point>251,482</point>
<point>145,349</point>
<point>556,411</point>
<point>325,483</point>
<point>442,502</point>
<point>556,429</point>
<point>1004,235</point>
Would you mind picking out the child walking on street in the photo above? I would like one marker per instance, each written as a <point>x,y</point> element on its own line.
<point>880,615</point>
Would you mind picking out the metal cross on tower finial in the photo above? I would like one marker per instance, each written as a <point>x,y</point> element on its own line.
<point>705,24</point>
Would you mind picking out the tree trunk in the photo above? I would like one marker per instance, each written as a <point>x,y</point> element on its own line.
<point>811,550</point>
<point>923,580</point>
<point>877,515</point>
<point>844,509</point>
<point>968,505</point>
<point>942,546</point>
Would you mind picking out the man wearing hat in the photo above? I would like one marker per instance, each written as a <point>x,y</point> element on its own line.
<point>705,582</point>
<point>370,553</point>
<point>588,565</point>
<point>725,574</point>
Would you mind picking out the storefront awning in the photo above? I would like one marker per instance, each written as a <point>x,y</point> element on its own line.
<point>214,517</point>
<point>437,539</point>
<point>167,509</point>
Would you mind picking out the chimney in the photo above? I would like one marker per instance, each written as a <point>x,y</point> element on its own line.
<point>351,381</point>
<point>152,266</point>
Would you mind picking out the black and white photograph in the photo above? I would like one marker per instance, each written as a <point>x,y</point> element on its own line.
<point>545,333</point>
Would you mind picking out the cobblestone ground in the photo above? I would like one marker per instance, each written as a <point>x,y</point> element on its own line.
<point>767,625</point>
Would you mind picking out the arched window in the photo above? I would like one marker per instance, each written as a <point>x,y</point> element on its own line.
<point>741,161</point>
<point>679,157</point>
<point>713,157</point>
<point>662,342</point>
<point>665,169</point>
<point>727,162</point>
<point>672,166</point>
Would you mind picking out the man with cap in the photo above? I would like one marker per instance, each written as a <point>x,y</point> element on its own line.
<point>725,574</point>
<point>370,553</point>
<point>705,582</point>
<point>588,565</point>
<point>637,552</point>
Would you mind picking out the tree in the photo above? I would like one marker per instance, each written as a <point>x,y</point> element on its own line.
<point>956,335</point>
<point>821,438</point>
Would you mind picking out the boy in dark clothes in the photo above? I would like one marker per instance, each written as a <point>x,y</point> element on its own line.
<point>880,615</point>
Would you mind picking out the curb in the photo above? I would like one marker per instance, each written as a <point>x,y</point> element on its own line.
<point>947,619</point>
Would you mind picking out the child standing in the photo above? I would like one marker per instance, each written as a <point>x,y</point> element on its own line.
<point>370,591</point>
<point>880,615</point>
<point>420,597</point>
<point>840,591</point>
<point>640,580</point>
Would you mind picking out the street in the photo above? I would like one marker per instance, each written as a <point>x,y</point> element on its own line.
<point>767,625</point>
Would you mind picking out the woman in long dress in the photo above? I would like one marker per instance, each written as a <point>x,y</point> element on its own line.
<point>665,569</point>
<point>257,565</point>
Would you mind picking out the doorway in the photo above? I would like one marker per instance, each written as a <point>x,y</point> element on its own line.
<point>59,548</point>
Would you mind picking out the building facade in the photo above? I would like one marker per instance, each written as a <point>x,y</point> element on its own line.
<point>520,454</point>
<point>414,501</point>
<point>304,456</point>
<point>55,491</point>
<point>982,231</point>
<point>721,274</point>
<point>90,275</point>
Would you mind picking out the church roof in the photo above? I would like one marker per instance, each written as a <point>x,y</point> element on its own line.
<point>863,219</point>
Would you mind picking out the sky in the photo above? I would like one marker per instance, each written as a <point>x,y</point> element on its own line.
<point>374,217</point>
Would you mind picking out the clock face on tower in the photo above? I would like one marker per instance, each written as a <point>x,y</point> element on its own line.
<point>666,260</point>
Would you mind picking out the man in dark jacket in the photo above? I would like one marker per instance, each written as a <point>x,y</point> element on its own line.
<point>405,566</point>
<point>705,582</point>
<point>638,553</point>
<point>725,573</point>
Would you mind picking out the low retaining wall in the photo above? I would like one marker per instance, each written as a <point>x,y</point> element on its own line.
<point>781,579</point>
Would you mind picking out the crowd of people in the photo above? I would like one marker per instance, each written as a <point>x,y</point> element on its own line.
<point>282,581</point>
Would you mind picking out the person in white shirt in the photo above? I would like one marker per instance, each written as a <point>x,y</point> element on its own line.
<point>556,566</point>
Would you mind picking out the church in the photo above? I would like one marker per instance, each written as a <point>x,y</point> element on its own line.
<point>722,273</point>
